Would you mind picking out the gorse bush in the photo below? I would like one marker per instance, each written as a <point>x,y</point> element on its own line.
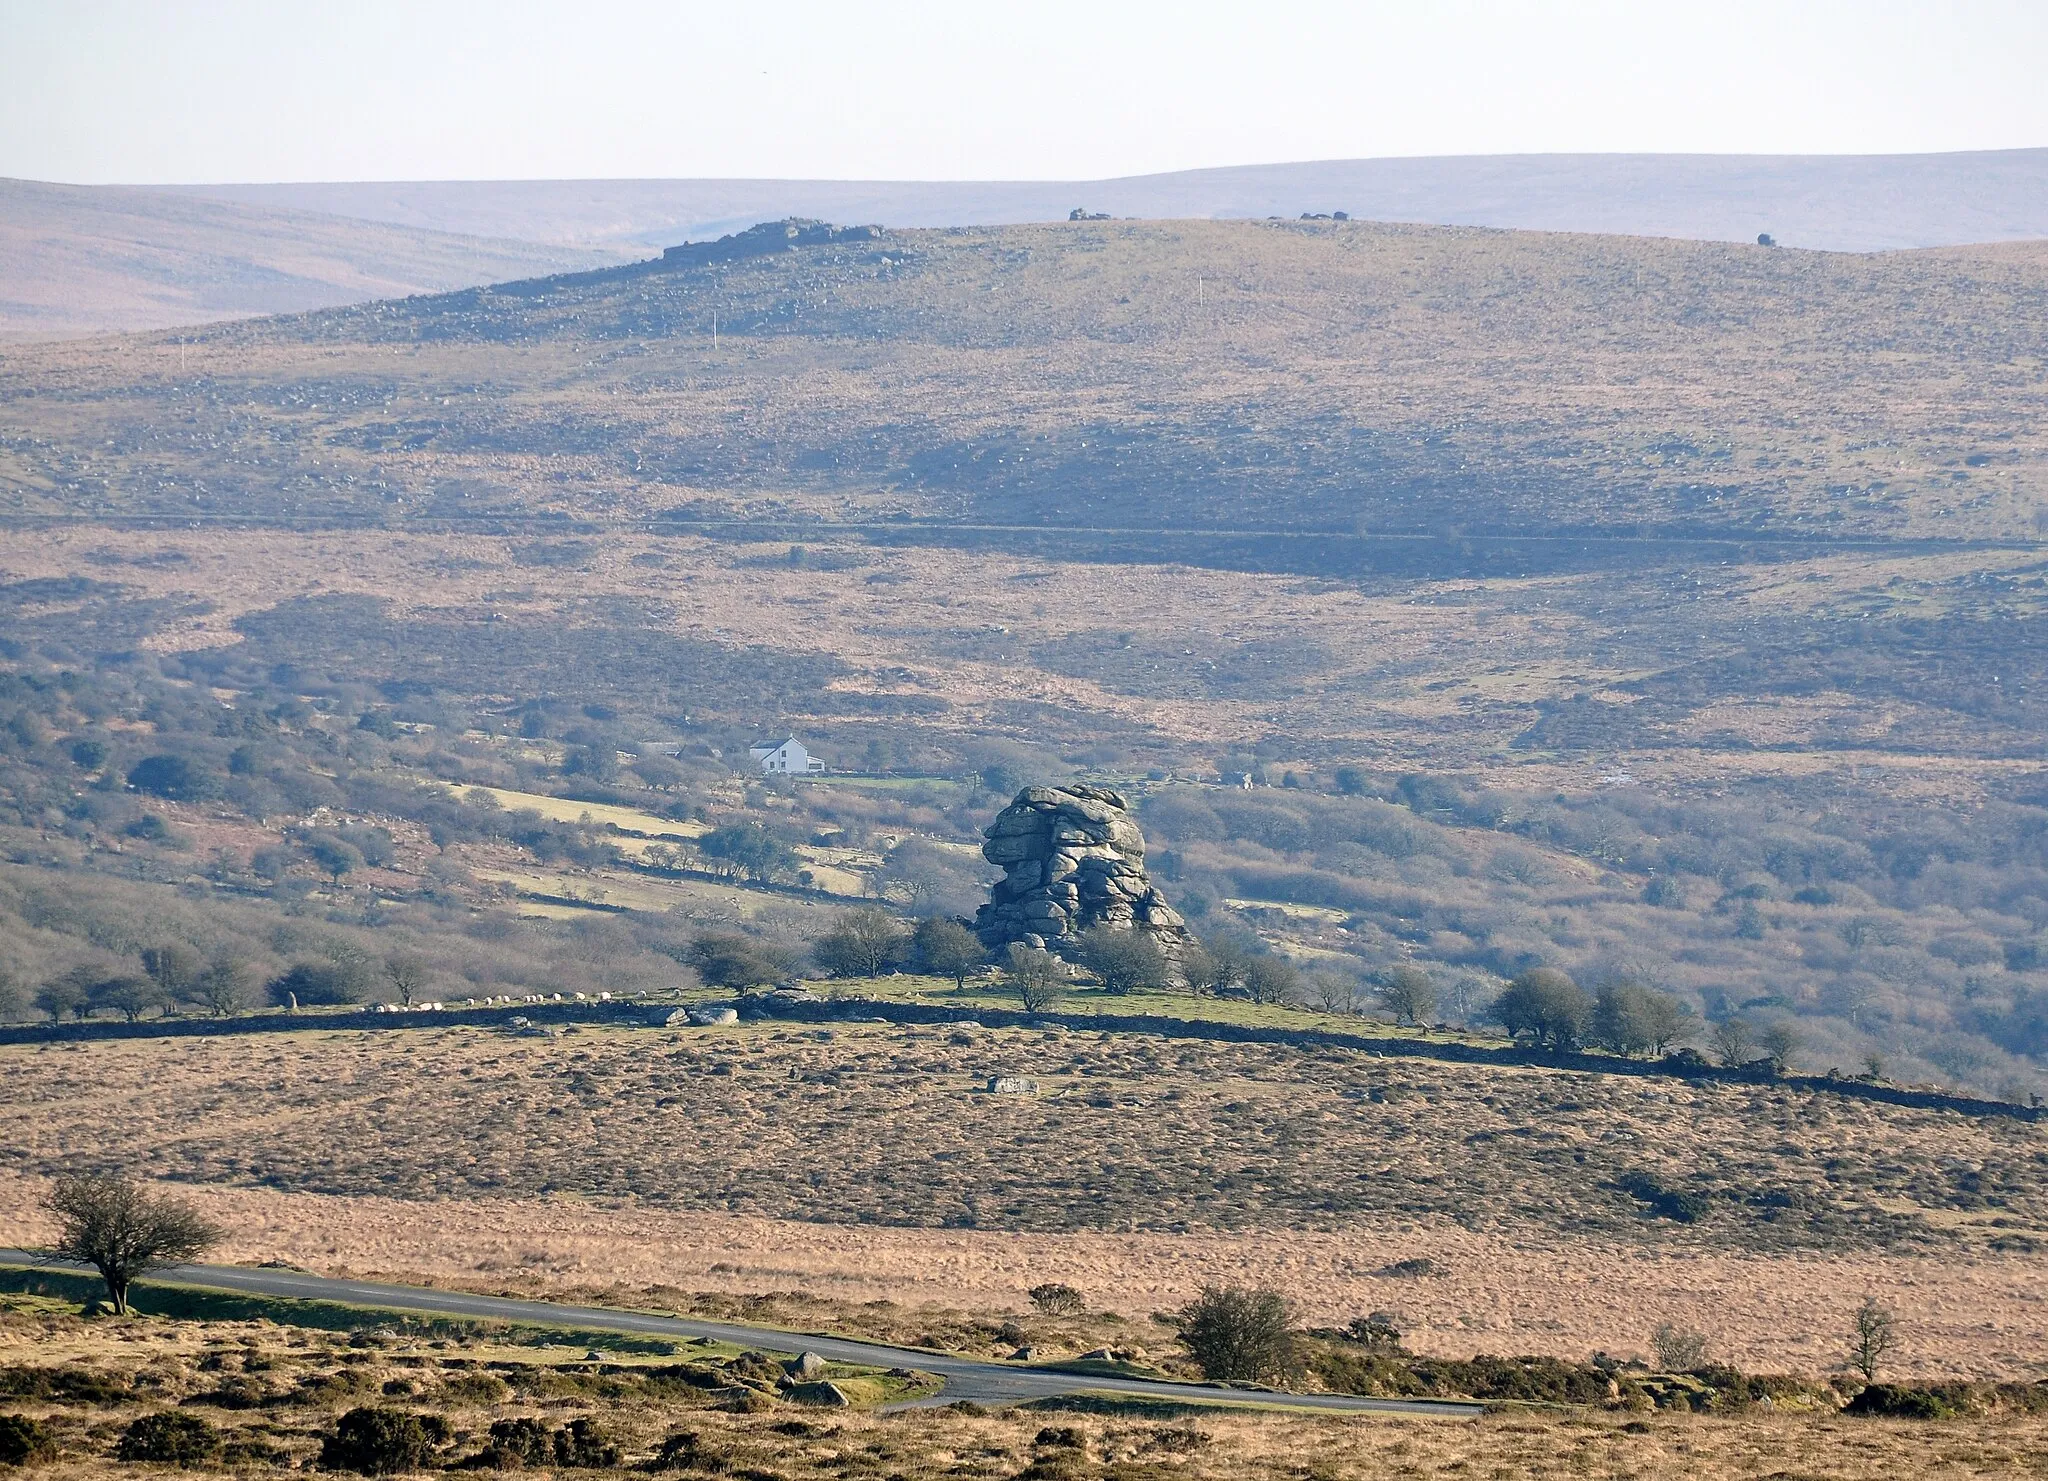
<point>1238,1333</point>
<point>174,1438</point>
<point>379,1441</point>
<point>25,1441</point>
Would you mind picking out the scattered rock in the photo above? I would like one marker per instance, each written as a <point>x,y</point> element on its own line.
<point>822,1394</point>
<point>1073,859</point>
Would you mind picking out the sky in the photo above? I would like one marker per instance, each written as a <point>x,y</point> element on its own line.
<point>165,91</point>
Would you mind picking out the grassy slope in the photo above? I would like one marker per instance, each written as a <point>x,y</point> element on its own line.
<point>1228,373</point>
<point>96,261</point>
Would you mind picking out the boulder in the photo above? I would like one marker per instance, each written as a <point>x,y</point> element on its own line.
<point>1073,859</point>
<point>805,1367</point>
<point>823,1394</point>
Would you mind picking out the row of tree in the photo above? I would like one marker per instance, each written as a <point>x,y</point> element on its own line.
<point>175,976</point>
<point>1547,1008</point>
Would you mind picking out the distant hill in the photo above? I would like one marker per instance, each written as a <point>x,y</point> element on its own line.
<point>1215,376</point>
<point>94,260</point>
<point>1844,203</point>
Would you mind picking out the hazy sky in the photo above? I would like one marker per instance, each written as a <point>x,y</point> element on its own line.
<point>185,90</point>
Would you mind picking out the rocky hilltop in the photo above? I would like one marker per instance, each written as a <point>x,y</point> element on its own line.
<point>1073,859</point>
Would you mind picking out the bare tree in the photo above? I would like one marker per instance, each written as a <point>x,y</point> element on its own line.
<point>1873,1333</point>
<point>1271,979</point>
<point>1334,992</point>
<point>1678,1349</point>
<point>1408,994</point>
<point>1125,960</point>
<point>228,986</point>
<point>1779,1042</point>
<point>946,948</point>
<point>1034,976</point>
<point>1733,1040</point>
<point>176,969</point>
<point>106,1221</point>
<point>408,974</point>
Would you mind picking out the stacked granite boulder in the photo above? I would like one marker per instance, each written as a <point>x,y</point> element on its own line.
<point>1072,859</point>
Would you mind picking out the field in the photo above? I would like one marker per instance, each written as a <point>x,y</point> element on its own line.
<point>767,1158</point>
<point>307,1378</point>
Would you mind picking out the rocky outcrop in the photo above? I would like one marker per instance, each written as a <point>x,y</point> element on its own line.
<point>1072,859</point>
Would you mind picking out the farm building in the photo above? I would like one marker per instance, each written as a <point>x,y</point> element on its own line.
<point>786,757</point>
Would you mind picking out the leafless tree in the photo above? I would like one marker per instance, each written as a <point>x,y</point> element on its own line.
<point>1733,1040</point>
<point>123,1231</point>
<point>1035,976</point>
<point>1678,1349</point>
<point>228,986</point>
<point>1873,1333</point>
<point>1408,994</point>
<point>408,974</point>
<point>1779,1041</point>
<point>1334,992</point>
<point>176,969</point>
<point>1271,979</point>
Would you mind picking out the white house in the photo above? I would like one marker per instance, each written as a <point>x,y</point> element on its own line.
<point>786,757</point>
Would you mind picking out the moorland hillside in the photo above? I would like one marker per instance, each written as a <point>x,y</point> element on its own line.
<point>1319,376</point>
<point>110,259</point>
<point>583,539</point>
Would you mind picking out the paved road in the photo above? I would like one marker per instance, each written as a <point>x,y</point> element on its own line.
<point>992,1383</point>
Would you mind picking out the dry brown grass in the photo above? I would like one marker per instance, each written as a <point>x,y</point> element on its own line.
<point>1404,374</point>
<point>628,1159</point>
<point>183,1359</point>
<point>1441,675</point>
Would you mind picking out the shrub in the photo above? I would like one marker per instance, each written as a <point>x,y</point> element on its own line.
<point>175,777</point>
<point>1054,1299</point>
<point>1681,1205</point>
<point>514,1444</point>
<point>380,1441</point>
<point>172,1439</point>
<point>1378,1331</point>
<point>24,1441</point>
<point>683,1450</point>
<point>319,984</point>
<point>1678,1349</point>
<point>1238,1333</point>
<point>584,1446</point>
<point>725,959</point>
<point>1893,1401</point>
